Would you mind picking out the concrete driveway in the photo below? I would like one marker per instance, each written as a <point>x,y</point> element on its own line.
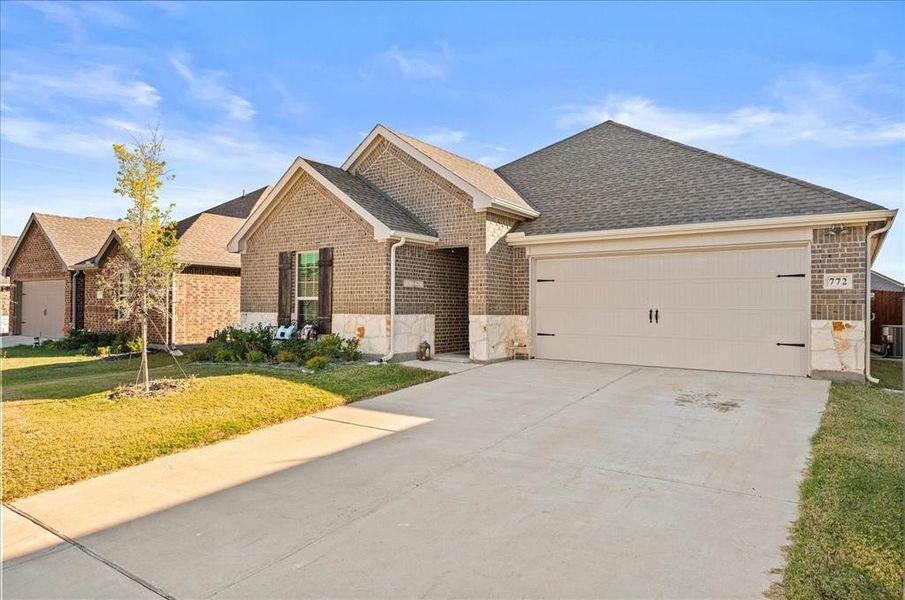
<point>518,479</point>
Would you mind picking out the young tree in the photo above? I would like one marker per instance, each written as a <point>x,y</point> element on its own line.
<point>140,276</point>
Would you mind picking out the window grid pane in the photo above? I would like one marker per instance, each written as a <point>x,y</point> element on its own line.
<point>307,276</point>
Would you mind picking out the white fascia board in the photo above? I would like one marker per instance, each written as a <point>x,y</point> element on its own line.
<point>414,238</point>
<point>519,238</point>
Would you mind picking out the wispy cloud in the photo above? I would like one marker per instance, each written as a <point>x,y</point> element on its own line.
<point>103,84</point>
<point>805,108</point>
<point>76,16</point>
<point>419,64</point>
<point>290,104</point>
<point>207,87</point>
<point>442,136</point>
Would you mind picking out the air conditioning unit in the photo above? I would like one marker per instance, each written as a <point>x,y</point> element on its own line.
<point>893,339</point>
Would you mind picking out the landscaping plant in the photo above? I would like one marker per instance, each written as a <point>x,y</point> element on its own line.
<point>139,279</point>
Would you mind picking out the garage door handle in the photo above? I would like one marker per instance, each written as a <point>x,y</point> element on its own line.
<point>650,315</point>
<point>786,344</point>
<point>547,334</point>
<point>792,275</point>
<point>657,315</point>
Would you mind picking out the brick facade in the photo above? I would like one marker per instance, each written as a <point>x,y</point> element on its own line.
<point>36,260</point>
<point>449,210</point>
<point>839,253</point>
<point>308,218</point>
<point>207,299</point>
<point>443,273</point>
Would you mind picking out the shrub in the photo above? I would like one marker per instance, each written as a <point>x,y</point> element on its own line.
<point>285,356</point>
<point>223,355</point>
<point>327,345</point>
<point>88,350</point>
<point>200,354</point>
<point>349,350</point>
<point>103,350</point>
<point>317,363</point>
<point>125,342</point>
<point>295,345</point>
<point>256,356</point>
<point>239,342</point>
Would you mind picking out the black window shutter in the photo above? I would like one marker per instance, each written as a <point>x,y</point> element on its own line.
<point>325,290</point>
<point>79,299</point>
<point>285,295</point>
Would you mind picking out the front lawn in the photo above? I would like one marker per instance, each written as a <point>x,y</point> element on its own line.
<point>847,542</point>
<point>889,372</point>
<point>59,425</point>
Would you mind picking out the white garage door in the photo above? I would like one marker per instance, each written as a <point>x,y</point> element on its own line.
<point>43,308</point>
<point>723,310</point>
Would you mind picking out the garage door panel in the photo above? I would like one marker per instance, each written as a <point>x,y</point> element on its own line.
<point>721,310</point>
<point>43,308</point>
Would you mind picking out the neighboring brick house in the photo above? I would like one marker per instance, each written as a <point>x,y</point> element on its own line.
<point>56,272</point>
<point>6,244</point>
<point>613,245</point>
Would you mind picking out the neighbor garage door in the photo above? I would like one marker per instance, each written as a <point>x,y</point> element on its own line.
<point>724,310</point>
<point>43,307</point>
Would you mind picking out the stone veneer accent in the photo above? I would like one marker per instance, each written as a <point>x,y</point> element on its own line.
<point>374,332</point>
<point>491,335</point>
<point>837,347</point>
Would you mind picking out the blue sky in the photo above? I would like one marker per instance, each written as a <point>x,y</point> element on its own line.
<point>812,90</point>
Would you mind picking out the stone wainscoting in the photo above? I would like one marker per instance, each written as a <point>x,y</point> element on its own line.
<point>374,332</point>
<point>837,349</point>
<point>251,319</point>
<point>489,336</point>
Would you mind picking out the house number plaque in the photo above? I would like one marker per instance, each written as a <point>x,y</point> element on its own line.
<point>837,281</point>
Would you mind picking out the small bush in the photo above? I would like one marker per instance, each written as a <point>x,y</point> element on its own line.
<point>256,356</point>
<point>317,363</point>
<point>295,345</point>
<point>125,342</point>
<point>103,350</point>
<point>239,342</point>
<point>200,354</point>
<point>285,356</point>
<point>223,355</point>
<point>134,345</point>
<point>88,350</point>
<point>349,350</point>
<point>327,345</point>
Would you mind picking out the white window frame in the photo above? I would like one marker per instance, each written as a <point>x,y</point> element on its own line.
<point>295,280</point>
<point>122,292</point>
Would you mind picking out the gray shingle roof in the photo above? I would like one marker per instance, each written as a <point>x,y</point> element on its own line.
<point>6,245</point>
<point>615,177</point>
<point>384,208</point>
<point>76,238</point>
<point>881,283</point>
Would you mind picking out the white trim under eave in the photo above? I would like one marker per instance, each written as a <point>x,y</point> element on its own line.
<point>519,238</point>
<point>264,207</point>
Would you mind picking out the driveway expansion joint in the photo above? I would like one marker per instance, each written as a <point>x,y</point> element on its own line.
<point>91,553</point>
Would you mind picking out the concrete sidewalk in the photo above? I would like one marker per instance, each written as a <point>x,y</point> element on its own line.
<point>524,478</point>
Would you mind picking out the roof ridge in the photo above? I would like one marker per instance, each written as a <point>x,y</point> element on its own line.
<point>557,142</point>
<point>787,178</point>
<point>68,218</point>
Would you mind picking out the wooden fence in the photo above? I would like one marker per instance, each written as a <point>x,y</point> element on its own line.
<point>887,308</point>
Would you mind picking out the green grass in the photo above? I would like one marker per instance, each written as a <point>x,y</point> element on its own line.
<point>59,425</point>
<point>889,372</point>
<point>847,542</point>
